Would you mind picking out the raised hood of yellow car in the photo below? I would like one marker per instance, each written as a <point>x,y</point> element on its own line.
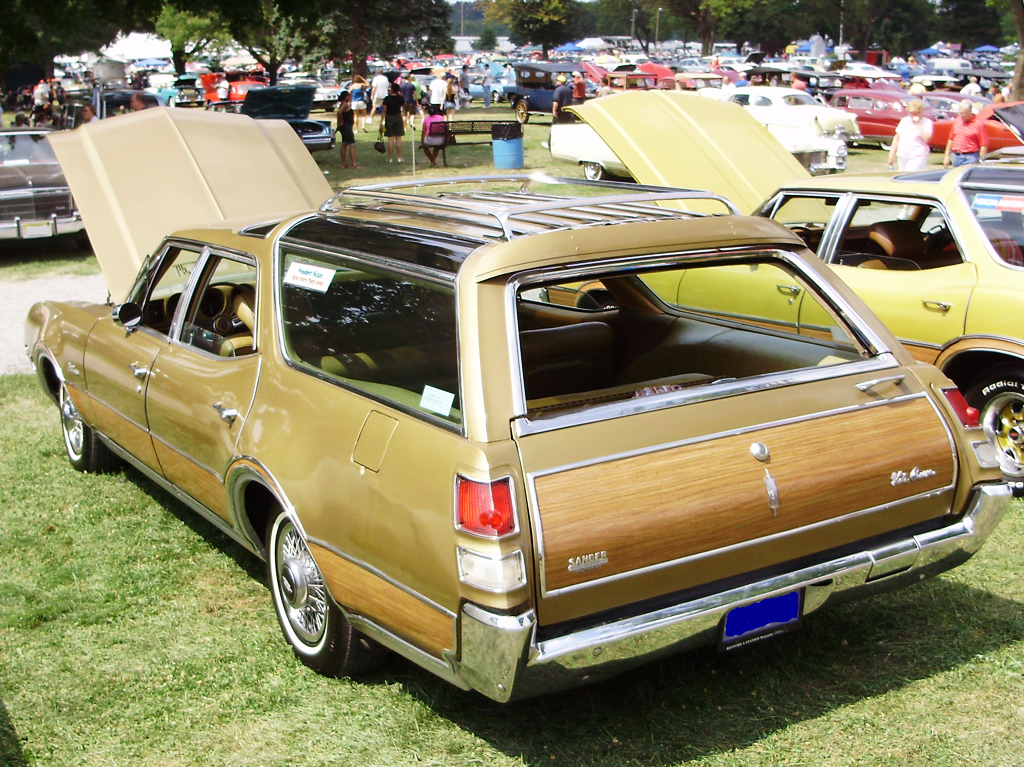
<point>668,138</point>
<point>140,177</point>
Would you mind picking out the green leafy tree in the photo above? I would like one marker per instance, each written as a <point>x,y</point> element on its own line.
<point>37,31</point>
<point>547,23</point>
<point>970,22</point>
<point>191,33</point>
<point>707,16</point>
<point>384,27</point>
<point>1016,11</point>
<point>487,41</point>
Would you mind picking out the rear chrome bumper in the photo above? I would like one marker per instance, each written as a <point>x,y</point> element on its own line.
<point>501,657</point>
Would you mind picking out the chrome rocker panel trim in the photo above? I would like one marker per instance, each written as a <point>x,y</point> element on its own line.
<point>502,659</point>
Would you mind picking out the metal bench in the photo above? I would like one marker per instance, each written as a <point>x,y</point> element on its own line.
<point>453,129</point>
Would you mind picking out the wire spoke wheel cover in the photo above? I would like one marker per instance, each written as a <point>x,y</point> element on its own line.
<point>298,587</point>
<point>71,425</point>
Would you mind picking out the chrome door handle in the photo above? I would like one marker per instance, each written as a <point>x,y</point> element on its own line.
<point>942,306</point>
<point>868,385</point>
<point>139,371</point>
<point>793,290</point>
<point>772,489</point>
<point>227,414</point>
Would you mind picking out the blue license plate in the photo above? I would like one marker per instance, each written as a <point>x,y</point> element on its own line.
<point>761,620</point>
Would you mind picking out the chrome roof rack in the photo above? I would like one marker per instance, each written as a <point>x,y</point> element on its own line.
<point>546,211</point>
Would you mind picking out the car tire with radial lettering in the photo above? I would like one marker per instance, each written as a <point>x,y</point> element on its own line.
<point>316,628</point>
<point>999,397</point>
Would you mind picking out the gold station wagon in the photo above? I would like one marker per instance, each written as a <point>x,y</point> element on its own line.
<point>442,446</point>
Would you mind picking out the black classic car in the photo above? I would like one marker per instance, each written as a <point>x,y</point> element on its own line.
<point>535,87</point>
<point>35,200</point>
<point>291,103</point>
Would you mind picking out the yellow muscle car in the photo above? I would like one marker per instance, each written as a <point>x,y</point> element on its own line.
<point>401,403</point>
<point>935,254</point>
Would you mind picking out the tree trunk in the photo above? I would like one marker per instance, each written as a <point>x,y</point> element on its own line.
<point>1017,83</point>
<point>178,58</point>
<point>706,25</point>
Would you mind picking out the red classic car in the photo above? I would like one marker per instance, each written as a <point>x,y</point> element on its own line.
<point>999,120</point>
<point>232,86</point>
<point>880,111</point>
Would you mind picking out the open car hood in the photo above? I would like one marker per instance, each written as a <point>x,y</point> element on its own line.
<point>684,140</point>
<point>281,102</point>
<point>1011,115</point>
<point>140,177</point>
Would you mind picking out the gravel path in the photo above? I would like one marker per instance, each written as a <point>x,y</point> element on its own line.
<point>17,297</point>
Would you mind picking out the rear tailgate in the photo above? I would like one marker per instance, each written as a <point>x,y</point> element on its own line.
<point>652,503</point>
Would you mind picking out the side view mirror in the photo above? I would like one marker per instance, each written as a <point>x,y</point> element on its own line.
<point>128,315</point>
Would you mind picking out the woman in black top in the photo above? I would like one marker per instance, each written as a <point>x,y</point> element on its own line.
<point>394,124</point>
<point>346,123</point>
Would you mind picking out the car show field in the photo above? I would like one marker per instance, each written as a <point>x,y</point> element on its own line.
<point>135,631</point>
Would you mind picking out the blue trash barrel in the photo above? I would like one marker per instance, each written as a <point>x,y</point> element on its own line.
<point>507,144</point>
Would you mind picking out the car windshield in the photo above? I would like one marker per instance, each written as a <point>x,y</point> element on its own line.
<point>799,99</point>
<point>25,148</point>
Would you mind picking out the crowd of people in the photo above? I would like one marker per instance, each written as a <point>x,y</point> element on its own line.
<point>395,107</point>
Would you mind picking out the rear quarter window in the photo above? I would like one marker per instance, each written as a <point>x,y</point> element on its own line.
<point>382,333</point>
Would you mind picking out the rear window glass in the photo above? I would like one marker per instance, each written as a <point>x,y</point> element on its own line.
<point>385,334</point>
<point>1000,215</point>
<point>712,323</point>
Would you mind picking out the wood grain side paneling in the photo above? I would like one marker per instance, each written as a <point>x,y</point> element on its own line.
<point>926,354</point>
<point>681,501</point>
<point>203,485</point>
<point>371,596</point>
<point>132,437</point>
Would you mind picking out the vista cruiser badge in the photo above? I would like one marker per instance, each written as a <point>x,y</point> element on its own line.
<point>903,477</point>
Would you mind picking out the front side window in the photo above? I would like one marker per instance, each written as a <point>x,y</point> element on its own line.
<point>159,291</point>
<point>383,333</point>
<point>710,322</point>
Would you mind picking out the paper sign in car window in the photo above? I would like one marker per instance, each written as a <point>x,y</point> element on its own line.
<point>1008,202</point>
<point>437,401</point>
<point>308,276</point>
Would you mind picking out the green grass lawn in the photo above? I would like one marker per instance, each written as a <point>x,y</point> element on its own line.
<point>133,633</point>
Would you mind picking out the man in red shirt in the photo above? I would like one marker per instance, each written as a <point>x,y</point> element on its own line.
<point>968,141</point>
<point>579,88</point>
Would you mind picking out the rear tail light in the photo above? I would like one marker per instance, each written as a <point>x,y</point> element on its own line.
<point>968,415</point>
<point>484,508</point>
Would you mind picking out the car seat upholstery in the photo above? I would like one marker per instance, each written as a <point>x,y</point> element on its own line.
<point>243,343</point>
<point>899,239</point>
<point>566,359</point>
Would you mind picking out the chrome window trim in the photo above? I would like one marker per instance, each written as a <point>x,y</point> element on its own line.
<point>380,262</point>
<point>862,335</point>
<point>534,505</point>
<point>524,426</point>
<point>392,266</point>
